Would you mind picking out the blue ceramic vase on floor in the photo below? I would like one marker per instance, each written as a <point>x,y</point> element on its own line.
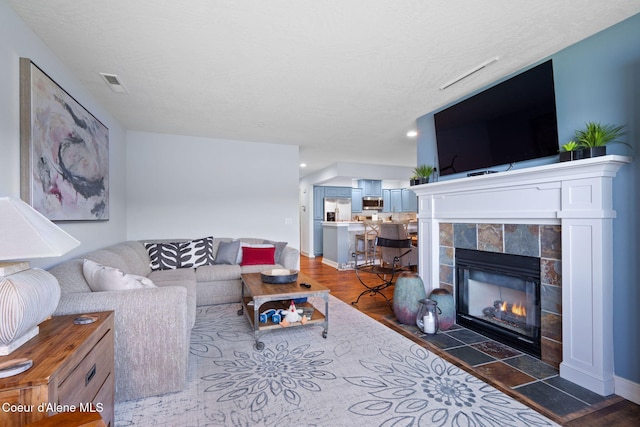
<point>407,293</point>
<point>447,316</point>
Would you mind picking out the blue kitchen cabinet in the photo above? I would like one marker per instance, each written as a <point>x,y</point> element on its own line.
<point>396,200</point>
<point>370,187</point>
<point>317,238</point>
<point>386,201</point>
<point>409,201</point>
<point>356,200</point>
<point>318,203</point>
<point>337,192</point>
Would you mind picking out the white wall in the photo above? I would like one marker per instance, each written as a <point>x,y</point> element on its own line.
<point>182,186</point>
<point>17,40</point>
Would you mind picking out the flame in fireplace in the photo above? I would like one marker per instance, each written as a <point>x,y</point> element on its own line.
<point>517,309</point>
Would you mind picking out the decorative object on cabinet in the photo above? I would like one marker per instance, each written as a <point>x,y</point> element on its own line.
<point>593,139</point>
<point>73,366</point>
<point>421,174</point>
<point>569,151</point>
<point>27,296</point>
<point>64,151</point>
<point>407,293</point>
<point>446,306</point>
<point>427,317</point>
<point>278,276</point>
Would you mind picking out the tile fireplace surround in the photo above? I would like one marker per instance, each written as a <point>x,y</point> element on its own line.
<point>577,196</point>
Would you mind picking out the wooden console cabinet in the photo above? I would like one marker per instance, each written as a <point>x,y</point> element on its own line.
<point>72,372</point>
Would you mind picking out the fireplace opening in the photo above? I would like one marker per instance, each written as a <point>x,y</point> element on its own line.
<point>498,295</point>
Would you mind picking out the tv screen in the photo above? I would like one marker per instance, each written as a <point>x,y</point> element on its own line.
<point>507,123</point>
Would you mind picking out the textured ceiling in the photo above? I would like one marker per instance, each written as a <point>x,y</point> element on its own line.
<point>343,79</point>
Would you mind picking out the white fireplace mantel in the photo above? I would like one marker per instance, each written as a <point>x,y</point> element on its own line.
<point>576,195</point>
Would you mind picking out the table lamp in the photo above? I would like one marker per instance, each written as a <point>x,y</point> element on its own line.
<point>27,295</point>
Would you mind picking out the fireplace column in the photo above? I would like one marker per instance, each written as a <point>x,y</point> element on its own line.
<point>578,196</point>
<point>587,278</point>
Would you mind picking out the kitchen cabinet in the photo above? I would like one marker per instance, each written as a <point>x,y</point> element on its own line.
<point>72,366</point>
<point>337,192</point>
<point>318,203</point>
<point>409,201</point>
<point>356,200</point>
<point>396,200</point>
<point>370,187</point>
<point>317,238</point>
<point>392,200</point>
<point>386,201</point>
<point>319,194</point>
<point>399,200</point>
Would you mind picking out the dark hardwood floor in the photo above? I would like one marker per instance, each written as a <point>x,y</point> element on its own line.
<point>345,286</point>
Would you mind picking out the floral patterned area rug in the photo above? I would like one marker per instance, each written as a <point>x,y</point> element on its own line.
<point>363,373</point>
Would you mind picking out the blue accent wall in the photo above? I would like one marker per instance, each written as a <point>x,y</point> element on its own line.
<point>598,79</point>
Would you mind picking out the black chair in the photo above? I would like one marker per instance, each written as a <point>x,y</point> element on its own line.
<point>392,256</point>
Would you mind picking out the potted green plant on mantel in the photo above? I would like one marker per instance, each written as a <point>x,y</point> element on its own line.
<point>421,174</point>
<point>593,139</point>
<point>569,151</point>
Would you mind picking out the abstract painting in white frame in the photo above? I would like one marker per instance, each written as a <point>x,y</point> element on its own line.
<point>64,151</point>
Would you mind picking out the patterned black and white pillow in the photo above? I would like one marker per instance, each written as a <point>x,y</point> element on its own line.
<point>197,252</point>
<point>191,254</point>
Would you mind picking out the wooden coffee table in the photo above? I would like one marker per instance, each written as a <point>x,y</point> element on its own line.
<point>258,296</point>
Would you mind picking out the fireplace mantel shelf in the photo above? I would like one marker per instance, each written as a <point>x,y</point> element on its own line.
<point>542,193</point>
<point>575,195</point>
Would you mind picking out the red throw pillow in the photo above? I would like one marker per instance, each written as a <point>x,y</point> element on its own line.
<point>255,256</point>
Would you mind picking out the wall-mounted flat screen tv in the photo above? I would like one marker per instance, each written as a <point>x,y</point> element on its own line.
<point>507,123</point>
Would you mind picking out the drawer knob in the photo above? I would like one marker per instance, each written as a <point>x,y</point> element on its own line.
<point>90,375</point>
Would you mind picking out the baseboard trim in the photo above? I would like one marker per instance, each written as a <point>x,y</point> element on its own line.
<point>627,389</point>
<point>330,263</point>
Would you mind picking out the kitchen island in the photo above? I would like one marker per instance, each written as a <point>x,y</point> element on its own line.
<point>339,240</point>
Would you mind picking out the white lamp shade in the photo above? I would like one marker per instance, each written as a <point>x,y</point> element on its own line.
<point>25,233</point>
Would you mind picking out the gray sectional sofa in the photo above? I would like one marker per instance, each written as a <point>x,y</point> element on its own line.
<point>153,325</point>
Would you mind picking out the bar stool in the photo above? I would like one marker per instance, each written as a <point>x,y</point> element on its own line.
<point>366,241</point>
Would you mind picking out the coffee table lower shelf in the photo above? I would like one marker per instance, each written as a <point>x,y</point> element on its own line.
<point>317,318</point>
<point>265,301</point>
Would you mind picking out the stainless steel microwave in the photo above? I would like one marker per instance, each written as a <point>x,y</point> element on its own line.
<point>372,203</point>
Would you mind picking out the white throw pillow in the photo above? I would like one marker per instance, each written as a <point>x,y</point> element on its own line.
<point>103,278</point>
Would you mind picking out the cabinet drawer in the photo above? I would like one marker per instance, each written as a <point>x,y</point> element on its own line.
<point>10,417</point>
<point>105,398</point>
<point>83,383</point>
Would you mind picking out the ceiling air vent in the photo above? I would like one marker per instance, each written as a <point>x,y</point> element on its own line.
<point>113,81</point>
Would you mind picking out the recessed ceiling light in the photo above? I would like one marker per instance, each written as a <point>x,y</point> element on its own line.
<point>412,134</point>
<point>303,165</point>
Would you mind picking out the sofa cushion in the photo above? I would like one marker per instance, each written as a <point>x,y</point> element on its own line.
<point>177,275</point>
<point>190,254</point>
<point>253,256</point>
<point>227,253</point>
<point>104,278</point>
<point>279,249</point>
<point>258,268</point>
<point>135,256</point>
<point>185,277</point>
<point>218,272</point>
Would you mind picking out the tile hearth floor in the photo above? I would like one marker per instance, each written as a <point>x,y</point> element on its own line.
<point>512,371</point>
